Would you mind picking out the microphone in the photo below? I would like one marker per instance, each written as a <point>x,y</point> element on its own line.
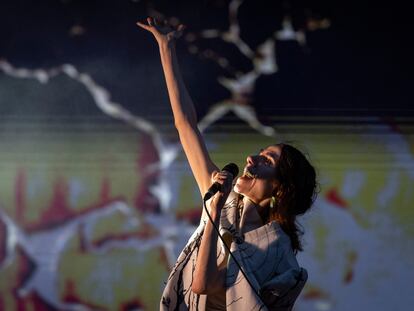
<point>232,169</point>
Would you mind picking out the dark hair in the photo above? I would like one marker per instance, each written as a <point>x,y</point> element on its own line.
<point>295,193</point>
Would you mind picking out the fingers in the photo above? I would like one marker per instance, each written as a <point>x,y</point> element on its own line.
<point>150,26</point>
<point>146,27</point>
<point>152,23</point>
<point>179,31</point>
<point>222,177</point>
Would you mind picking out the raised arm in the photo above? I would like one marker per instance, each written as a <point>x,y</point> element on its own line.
<point>185,118</point>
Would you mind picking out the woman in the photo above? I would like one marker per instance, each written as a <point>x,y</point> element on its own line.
<point>257,218</point>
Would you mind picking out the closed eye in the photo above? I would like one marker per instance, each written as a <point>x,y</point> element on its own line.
<point>268,160</point>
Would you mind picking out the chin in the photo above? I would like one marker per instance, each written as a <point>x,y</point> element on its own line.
<point>243,185</point>
<point>236,189</point>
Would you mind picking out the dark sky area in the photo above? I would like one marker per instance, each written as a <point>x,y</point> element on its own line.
<point>360,66</point>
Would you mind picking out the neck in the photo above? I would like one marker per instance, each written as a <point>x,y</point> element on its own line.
<point>250,218</point>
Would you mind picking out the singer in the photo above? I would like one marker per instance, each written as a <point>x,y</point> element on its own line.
<point>249,263</point>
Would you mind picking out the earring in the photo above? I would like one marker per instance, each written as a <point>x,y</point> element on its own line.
<point>272,202</point>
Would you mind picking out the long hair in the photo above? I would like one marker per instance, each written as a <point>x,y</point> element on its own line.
<point>295,193</point>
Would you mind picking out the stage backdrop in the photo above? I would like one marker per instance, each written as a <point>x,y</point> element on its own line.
<point>96,197</point>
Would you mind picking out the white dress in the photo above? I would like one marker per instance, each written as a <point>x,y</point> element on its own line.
<point>264,254</point>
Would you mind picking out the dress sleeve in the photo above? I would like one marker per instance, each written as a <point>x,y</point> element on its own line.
<point>283,290</point>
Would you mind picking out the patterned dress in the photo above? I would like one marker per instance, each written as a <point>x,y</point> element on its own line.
<point>264,254</point>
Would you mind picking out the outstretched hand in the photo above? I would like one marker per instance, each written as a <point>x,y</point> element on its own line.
<point>162,31</point>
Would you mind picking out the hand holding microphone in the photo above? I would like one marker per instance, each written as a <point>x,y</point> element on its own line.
<point>223,180</point>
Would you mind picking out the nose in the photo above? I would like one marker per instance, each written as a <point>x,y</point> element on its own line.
<point>250,160</point>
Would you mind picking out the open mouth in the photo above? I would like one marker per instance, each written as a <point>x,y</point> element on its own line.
<point>248,174</point>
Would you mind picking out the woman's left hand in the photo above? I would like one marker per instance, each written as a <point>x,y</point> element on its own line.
<point>163,32</point>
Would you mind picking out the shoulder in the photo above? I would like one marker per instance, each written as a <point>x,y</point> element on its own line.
<point>270,234</point>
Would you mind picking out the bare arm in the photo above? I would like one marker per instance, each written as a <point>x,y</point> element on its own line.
<point>182,106</point>
<point>209,277</point>
<point>207,272</point>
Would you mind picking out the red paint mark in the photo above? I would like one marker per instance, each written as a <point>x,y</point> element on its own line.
<point>34,302</point>
<point>100,205</point>
<point>58,208</point>
<point>314,293</point>
<point>3,242</point>
<point>334,197</point>
<point>349,275</point>
<point>146,232</point>
<point>132,305</point>
<point>25,268</point>
<point>349,271</point>
<point>144,200</point>
<point>105,190</point>
<point>82,240</point>
<point>70,295</point>
<point>148,154</point>
<point>43,224</point>
<point>193,215</point>
<point>20,195</point>
<point>164,259</point>
<point>20,305</point>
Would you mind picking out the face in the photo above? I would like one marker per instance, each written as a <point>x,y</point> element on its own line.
<point>258,180</point>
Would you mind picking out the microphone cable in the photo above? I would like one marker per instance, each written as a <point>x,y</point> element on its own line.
<point>231,254</point>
